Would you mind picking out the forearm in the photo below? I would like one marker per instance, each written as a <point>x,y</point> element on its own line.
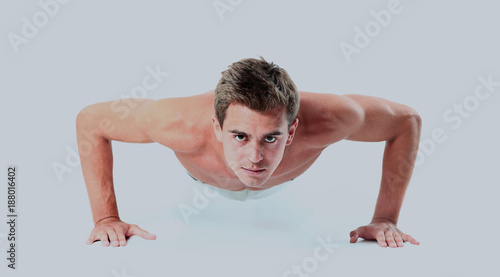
<point>97,166</point>
<point>398,163</point>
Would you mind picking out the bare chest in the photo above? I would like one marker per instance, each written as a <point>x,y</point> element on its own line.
<point>209,168</point>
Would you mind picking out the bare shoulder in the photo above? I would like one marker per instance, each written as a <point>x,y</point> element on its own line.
<point>179,123</point>
<point>325,116</point>
<point>321,104</point>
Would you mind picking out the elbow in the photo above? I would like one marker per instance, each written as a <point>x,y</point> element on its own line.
<point>84,117</point>
<point>81,119</point>
<point>412,123</point>
<point>416,120</point>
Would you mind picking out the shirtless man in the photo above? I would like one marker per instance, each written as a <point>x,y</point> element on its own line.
<point>238,138</point>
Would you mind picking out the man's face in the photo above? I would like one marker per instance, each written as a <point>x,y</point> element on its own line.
<point>254,142</point>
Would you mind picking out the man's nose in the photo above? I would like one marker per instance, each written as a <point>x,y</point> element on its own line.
<point>255,153</point>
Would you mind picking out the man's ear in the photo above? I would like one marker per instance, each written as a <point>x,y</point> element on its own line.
<point>291,132</point>
<point>217,128</point>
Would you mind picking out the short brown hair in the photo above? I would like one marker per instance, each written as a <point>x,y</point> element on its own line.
<point>257,84</point>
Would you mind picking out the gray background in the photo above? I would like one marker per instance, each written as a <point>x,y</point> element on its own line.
<point>429,57</point>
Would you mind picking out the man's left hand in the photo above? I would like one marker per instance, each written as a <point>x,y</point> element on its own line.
<point>385,232</point>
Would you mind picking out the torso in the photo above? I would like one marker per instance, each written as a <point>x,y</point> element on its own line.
<point>207,163</point>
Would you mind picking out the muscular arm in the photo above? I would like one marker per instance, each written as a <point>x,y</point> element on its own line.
<point>96,126</point>
<point>376,119</point>
<point>129,120</point>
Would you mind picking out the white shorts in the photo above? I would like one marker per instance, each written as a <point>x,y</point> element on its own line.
<point>243,195</point>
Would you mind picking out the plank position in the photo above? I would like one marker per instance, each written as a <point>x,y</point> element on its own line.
<point>238,140</point>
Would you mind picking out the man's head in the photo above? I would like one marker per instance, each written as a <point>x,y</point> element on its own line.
<point>255,107</point>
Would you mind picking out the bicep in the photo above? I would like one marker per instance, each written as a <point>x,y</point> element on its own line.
<point>171,122</point>
<point>376,119</point>
<point>115,120</point>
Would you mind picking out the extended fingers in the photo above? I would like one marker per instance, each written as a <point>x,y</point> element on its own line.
<point>386,234</point>
<point>390,239</point>
<point>91,238</point>
<point>103,236</point>
<point>108,236</point>
<point>398,239</point>
<point>121,237</point>
<point>113,237</point>
<point>381,239</point>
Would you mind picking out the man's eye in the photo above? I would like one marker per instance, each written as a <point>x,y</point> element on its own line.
<point>240,137</point>
<point>270,139</point>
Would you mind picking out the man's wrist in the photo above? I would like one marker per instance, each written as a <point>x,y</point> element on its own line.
<point>106,218</point>
<point>379,219</point>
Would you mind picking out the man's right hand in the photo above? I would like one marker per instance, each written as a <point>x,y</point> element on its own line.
<point>112,231</point>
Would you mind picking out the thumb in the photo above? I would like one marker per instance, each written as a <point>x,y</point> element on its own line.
<point>135,230</point>
<point>354,236</point>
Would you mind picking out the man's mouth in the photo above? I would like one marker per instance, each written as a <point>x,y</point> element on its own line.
<point>253,171</point>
